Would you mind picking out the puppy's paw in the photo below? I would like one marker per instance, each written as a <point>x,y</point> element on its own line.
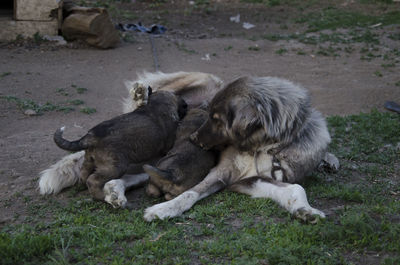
<point>114,192</point>
<point>308,215</point>
<point>139,94</point>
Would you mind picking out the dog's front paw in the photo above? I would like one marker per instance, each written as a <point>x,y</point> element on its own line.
<point>139,94</point>
<point>160,211</point>
<point>308,215</point>
<point>114,192</point>
<point>172,208</point>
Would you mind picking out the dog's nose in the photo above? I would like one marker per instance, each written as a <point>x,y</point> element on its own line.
<point>193,137</point>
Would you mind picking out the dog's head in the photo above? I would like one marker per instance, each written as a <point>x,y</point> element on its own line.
<point>168,99</point>
<point>251,112</point>
<point>231,121</point>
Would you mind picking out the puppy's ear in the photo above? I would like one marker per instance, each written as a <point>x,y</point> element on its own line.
<point>150,90</point>
<point>182,108</point>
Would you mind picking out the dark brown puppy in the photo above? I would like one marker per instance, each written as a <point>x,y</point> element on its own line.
<point>135,137</point>
<point>185,165</point>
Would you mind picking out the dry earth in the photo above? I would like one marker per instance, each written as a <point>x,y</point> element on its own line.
<point>45,72</point>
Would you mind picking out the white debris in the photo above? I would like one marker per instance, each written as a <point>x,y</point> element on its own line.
<point>248,25</point>
<point>206,57</point>
<point>30,112</point>
<point>235,19</point>
<point>376,25</point>
<point>58,39</point>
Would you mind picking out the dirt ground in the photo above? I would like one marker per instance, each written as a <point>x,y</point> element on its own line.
<point>198,39</point>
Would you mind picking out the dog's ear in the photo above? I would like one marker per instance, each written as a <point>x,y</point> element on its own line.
<point>243,119</point>
<point>150,91</point>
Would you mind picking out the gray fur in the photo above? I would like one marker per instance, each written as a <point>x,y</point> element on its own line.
<point>252,113</point>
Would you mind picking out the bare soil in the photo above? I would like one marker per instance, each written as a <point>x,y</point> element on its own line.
<point>198,39</point>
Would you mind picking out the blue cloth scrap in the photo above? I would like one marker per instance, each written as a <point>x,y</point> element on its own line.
<point>154,29</point>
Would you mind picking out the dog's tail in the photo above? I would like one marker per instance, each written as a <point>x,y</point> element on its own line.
<point>74,146</point>
<point>63,174</point>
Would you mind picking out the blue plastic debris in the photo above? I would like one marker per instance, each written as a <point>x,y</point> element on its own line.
<point>154,29</point>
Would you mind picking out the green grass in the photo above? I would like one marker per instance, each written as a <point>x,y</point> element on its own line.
<point>79,90</point>
<point>25,104</point>
<point>76,102</point>
<point>230,228</point>
<point>334,18</point>
<point>4,74</point>
<point>88,110</point>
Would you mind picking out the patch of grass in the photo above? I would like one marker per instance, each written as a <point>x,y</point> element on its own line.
<point>4,74</point>
<point>328,51</point>
<point>228,48</point>
<point>266,2</point>
<point>394,36</point>
<point>25,104</point>
<point>388,65</point>
<point>360,137</point>
<point>334,18</point>
<point>88,110</point>
<point>23,246</point>
<point>62,91</point>
<point>76,102</point>
<point>281,51</point>
<point>378,74</point>
<point>37,38</point>
<point>254,48</point>
<point>354,36</point>
<point>79,90</point>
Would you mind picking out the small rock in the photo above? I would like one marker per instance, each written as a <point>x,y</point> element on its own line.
<point>30,112</point>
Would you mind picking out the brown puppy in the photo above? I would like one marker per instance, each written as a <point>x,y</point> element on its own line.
<point>135,137</point>
<point>185,165</point>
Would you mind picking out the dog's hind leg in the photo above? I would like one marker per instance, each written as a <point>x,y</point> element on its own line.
<point>87,168</point>
<point>292,197</point>
<point>215,181</point>
<point>114,190</point>
<point>63,174</point>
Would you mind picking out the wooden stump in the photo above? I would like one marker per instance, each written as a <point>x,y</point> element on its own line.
<point>93,25</point>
